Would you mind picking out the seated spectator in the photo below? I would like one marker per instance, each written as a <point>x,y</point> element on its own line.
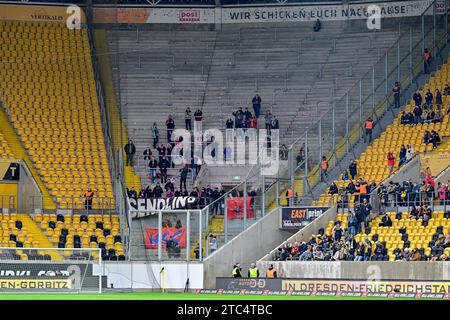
<point>333,189</point>
<point>404,118</point>
<point>385,221</point>
<point>426,137</point>
<point>307,255</point>
<point>416,255</point>
<point>417,114</point>
<point>435,139</point>
<point>438,117</point>
<point>446,90</point>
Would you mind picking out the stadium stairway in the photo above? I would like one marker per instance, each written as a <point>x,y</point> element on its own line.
<point>372,162</point>
<point>117,128</point>
<point>232,59</point>
<point>36,232</point>
<point>386,121</point>
<point>18,151</point>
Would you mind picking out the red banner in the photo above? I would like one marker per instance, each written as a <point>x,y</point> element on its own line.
<point>236,208</point>
<point>178,235</point>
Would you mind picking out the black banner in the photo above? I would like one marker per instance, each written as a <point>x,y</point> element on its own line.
<point>297,217</point>
<point>10,171</point>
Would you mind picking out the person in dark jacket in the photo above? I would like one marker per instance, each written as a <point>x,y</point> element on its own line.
<point>183,176</point>
<point>236,271</point>
<point>385,221</point>
<point>317,26</point>
<point>130,150</point>
<point>163,166</point>
<point>256,101</point>
<point>353,169</point>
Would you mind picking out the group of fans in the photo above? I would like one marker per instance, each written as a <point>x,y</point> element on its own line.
<point>205,196</point>
<point>342,246</point>
<point>410,193</point>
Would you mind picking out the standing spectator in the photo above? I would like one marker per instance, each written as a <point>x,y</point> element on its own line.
<point>417,97</point>
<point>183,176</point>
<point>353,169</point>
<point>274,124</point>
<point>236,272</point>
<point>88,198</point>
<point>158,191</point>
<point>324,168</point>
<point>271,272</point>
<point>317,26</point>
<point>267,121</point>
<point>368,126</point>
<point>229,124</point>
<point>428,99</point>
<point>163,166</point>
<point>132,193</point>
<point>198,115</point>
<point>426,61</point>
<point>390,162</point>
<point>213,243</point>
<point>170,125</point>
<point>147,155</point>
<point>130,150</point>
<point>438,99</point>
<point>402,156</point>
<point>238,117</point>
<point>247,115</point>
<point>409,152</point>
<point>153,165</point>
<point>442,193</point>
<point>256,101</point>
<point>352,221</point>
<point>162,151</point>
<point>187,119</point>
<point>155,135</point>
<point>396,91</point>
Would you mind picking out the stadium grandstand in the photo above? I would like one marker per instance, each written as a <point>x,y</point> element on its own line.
<point>176,145</point>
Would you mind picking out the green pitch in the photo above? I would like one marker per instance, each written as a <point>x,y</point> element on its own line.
<point>165,296</point>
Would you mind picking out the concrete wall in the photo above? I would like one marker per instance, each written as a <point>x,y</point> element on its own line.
<point>246,248</point>
<point>30,196</point>
<point>380,270</point>
<point>307,231</point>
<point>146,274</point>
<point>444,176</point>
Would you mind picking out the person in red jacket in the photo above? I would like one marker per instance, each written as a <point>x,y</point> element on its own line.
<point>390,161</point>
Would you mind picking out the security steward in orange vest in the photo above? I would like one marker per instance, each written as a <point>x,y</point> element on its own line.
<point>368,126</point>
<point>88,197</point>
<point>271,272</point>
<point>290,195</point>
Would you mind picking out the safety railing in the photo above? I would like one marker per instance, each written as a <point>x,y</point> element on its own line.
<point>336,132</point>
<point>8,202</point>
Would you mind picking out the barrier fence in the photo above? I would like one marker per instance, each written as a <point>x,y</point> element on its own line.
<point>337,132</point>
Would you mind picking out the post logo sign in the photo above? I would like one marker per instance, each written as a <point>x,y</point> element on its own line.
<point>189,15</point>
